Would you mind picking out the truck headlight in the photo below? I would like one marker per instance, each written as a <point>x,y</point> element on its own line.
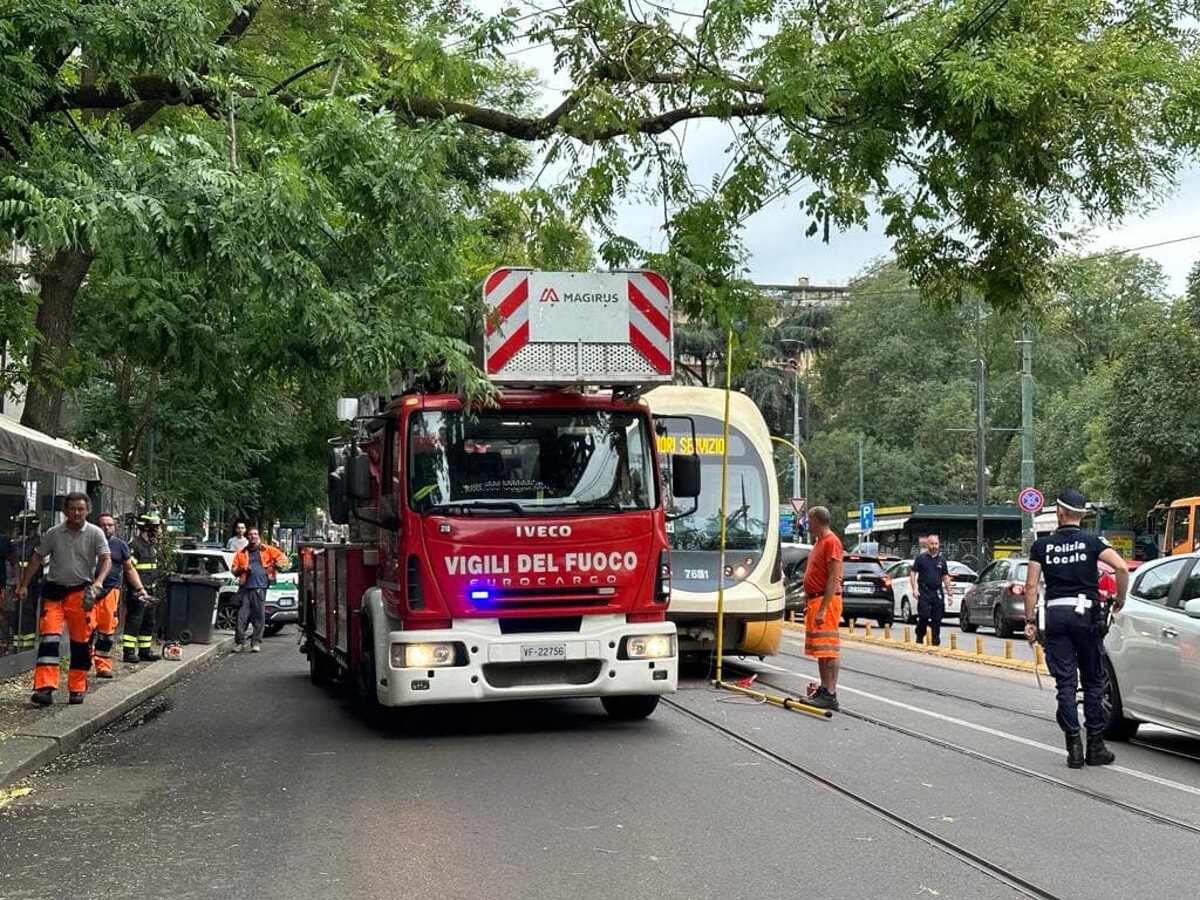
<point>649,646</point>
<point>422,656</point>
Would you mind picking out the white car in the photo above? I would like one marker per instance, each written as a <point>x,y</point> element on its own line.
<point>1153,650</point>
<point>283,596</point>
<point>961,578</point>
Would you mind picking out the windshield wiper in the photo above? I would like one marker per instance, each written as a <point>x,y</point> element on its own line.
<point>467,506</point>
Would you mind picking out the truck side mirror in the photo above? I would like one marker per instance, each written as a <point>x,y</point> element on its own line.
<point>360,477</point>
<point>685,475</point>
<point>339,506</point>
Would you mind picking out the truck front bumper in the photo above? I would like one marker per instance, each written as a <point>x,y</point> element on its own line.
<point>474,661</point>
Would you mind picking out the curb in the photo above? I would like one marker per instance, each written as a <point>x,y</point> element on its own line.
<point>69,726</point>
<point>985,659</point>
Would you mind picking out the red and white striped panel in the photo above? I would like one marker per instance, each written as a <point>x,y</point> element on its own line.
<point>650,319</point>
<point>506,327</point>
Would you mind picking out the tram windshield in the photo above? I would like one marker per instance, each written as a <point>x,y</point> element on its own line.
<point>530,462</point>
<point>746,489</point>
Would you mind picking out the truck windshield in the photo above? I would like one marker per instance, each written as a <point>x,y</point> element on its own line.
<point>529,462</point>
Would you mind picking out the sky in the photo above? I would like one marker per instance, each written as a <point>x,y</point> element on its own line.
<point>778,251</point>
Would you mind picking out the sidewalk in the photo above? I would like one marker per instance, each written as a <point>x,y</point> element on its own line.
<point>31,736</point>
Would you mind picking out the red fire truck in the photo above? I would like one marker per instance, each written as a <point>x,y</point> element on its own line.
<point>514,550</point>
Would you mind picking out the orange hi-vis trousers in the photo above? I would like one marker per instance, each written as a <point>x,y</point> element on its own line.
<point>821,639</point>
<point>106,628</point>
<point>79,627</point>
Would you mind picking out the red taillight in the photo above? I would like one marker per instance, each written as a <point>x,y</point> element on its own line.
<point>1016,589</point>
<point>887,581</point>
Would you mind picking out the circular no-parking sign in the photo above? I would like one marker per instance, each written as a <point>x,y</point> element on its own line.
<point>1031,500</point>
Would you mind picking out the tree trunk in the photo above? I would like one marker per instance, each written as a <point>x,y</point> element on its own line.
<point>60,282</point>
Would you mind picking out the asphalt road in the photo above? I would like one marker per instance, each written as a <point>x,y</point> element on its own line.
<point>243,780</point>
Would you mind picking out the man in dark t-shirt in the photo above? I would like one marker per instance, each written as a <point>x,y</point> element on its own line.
<point>929,579</point>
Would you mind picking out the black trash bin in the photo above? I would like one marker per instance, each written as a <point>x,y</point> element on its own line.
<point>191,606</point>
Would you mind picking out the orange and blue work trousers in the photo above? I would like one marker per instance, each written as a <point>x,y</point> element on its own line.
<point>105,611</point>
<point>79,624</point>
<point>821,638</point>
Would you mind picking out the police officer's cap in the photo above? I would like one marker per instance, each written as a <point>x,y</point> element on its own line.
<point>148,520</point>
<point>1072,500</point>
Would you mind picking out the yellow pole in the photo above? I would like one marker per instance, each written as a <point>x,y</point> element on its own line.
<point>724,485</point>
<point>800,456</point>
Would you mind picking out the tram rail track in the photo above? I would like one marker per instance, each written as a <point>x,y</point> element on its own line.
<point>979,755</point>
<point>986,704</point>
<point>976,861</point>
<point>979,862</point>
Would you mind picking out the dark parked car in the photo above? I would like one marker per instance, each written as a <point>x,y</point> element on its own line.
<point>997,598</point>
<point>794,559</point>
<point>866,590</point>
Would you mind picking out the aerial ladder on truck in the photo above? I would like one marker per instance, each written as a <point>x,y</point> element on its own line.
<point>516,548</point>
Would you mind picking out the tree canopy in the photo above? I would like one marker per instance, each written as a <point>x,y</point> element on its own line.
<point>256,206</point>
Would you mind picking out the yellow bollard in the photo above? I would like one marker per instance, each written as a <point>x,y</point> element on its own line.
<point>1037,654</point>
<point>887,632</point>
<point>866,629</point>
<point>907,635</point>
<point>1008,649</point>
<point>927,638</point>
<point>979,646</point>
<point>954,642</point>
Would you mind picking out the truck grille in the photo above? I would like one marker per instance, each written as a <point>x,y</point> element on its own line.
<point>516,674</point>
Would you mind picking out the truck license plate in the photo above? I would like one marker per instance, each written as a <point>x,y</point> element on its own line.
<point>534,652</point>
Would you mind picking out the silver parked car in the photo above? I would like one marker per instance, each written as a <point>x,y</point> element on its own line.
<point>1153,650</point>
<point>997,598</point>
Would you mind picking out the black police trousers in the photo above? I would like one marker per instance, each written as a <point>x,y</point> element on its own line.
<point>1074,651</point>
<point>930,607</point>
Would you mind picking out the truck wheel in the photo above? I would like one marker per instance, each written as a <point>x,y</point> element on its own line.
<point>364,676</point>
<point>629,708</point>
<point>321,669</point>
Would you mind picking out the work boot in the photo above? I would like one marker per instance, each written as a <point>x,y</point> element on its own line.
<point>104,673</point>
<point>822,699</point>
<point>76,698</point>
<point>1074,750</point>
<point>130,656</point>
<point>147,655</point>
<point>43,696</point>
<point>1097,753</point>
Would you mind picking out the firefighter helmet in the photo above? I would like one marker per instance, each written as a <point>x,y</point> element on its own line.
<point>148,520</point>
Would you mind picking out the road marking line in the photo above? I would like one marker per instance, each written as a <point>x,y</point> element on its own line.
<point>983,729</point>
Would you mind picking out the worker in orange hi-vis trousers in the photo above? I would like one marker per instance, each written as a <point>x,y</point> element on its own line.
<point>823,607</point>
<point>122,570</point>
<point>79,560</point>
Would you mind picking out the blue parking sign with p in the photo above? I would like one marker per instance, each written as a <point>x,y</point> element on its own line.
<point>866,517</point>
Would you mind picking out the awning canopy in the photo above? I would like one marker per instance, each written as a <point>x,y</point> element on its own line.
<point>27,447</point>
<point>885,523</point>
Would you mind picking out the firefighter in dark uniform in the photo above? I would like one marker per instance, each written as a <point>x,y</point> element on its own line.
<point>1074,623</point>
<point>141,619</point>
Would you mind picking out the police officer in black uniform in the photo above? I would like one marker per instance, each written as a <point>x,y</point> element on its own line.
<point>929,579</point>
<point>1074,628</point>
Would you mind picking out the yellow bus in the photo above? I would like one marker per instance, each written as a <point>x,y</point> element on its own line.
<point>691,420</point>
